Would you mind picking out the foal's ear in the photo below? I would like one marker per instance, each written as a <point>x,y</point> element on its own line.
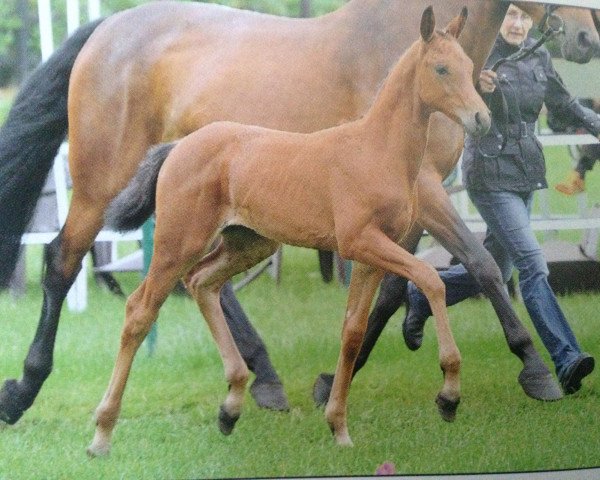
<point>455,27</point>
<point>427,24</point>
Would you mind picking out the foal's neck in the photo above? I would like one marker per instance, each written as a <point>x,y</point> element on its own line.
<point>398,117</point>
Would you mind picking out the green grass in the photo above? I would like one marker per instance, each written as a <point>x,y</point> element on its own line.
<point>168,425</point>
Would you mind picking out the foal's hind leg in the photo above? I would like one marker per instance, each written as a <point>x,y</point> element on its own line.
<point>141,312</point>
<point>239,250</point>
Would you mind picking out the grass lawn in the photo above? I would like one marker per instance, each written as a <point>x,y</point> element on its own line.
<point>168,424</point>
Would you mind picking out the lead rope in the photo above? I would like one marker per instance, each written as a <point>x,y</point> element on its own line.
<point>550,25</point>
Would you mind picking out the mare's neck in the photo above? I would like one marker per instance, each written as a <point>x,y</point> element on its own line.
<point>382,29</point>
<point>481,30</point>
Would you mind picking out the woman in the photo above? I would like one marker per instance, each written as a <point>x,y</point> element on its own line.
<point>501,173</point>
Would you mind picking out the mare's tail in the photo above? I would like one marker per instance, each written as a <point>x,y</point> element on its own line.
<point>29,140</point>
<point>133,205</point>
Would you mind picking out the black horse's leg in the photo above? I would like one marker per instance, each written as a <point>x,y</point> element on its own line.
<point>440,218</point>
<point>266,389</point>
<point>389,300</point>
<point>326,265</point>
<point>17,396</point>
<point>101,256</point>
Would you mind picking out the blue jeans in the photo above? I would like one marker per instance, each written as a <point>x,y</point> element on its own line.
<point>512,243</point>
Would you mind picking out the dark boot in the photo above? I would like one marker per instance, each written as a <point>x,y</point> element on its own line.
<point>580,368</point>
<point>414,322</point>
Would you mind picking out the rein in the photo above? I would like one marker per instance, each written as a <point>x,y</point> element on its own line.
<point>550,25</point>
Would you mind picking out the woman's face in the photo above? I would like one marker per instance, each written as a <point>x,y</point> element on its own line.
<point>516,26</point>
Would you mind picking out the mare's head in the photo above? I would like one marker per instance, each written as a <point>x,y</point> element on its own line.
<point>579,35</point>
<point>445,75</point>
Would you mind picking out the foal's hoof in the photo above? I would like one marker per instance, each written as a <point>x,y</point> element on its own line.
<point>540,386</point>
<point>447,407</point>
<point>94,451</point>
<point>322,389</point>
<point>270,396</point>
<point>10,410</point>
<point>226,421</point>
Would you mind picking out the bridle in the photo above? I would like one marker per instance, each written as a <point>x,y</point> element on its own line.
<point>551,22</point>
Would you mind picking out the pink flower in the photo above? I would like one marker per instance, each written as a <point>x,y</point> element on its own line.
<point>386,468</point>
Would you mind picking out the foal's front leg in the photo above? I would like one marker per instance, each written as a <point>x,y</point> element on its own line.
<point>375,248</point>
<point>363,284</point>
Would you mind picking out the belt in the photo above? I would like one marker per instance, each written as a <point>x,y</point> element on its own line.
<point>520,130</point>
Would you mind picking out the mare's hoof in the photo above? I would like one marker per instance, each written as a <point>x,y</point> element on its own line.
<point>270,396</point>
<point>322,389</point>
<point>226,421</point>
<point>10,411</point>
<point>447,407</point>
<point>540,386</point>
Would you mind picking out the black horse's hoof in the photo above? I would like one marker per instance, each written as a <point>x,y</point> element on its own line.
<point>270,395</point>
<point>10,410</point>
<point>540,386</point>
<point>322,389</point>
<point>226,421</point>
<point>447,407</point>
<point>108,281</point>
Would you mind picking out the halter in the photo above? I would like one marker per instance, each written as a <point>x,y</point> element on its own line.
<point>549,26</point>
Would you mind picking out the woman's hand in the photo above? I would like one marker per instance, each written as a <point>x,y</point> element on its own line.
<point>486,81</point>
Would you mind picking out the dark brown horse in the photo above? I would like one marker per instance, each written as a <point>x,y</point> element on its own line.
<point>348,188</point>
<point>160,71</point>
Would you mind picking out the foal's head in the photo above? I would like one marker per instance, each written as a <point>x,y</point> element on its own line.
<point>445,75</point>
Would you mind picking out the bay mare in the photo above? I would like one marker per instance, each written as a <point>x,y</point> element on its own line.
<point>348,188</point>
<point>160,71</point>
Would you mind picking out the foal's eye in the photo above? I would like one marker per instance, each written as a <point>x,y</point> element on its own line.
<point>441,70</point>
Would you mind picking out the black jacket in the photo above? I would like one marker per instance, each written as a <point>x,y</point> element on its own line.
<point>528,84</point>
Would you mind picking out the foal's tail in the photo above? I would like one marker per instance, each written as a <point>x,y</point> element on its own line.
<point>132,207</point>
<point>29,140</point>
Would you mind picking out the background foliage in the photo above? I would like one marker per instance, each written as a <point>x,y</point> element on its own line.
<point>11,22</point>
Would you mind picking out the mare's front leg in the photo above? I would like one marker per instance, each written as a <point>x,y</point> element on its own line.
<point>63,258</point>
<point>440,218</point>
<point>389,299</point>
<point>363,284</point>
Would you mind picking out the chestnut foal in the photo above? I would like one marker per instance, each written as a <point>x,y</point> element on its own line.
<point>348,188</point>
